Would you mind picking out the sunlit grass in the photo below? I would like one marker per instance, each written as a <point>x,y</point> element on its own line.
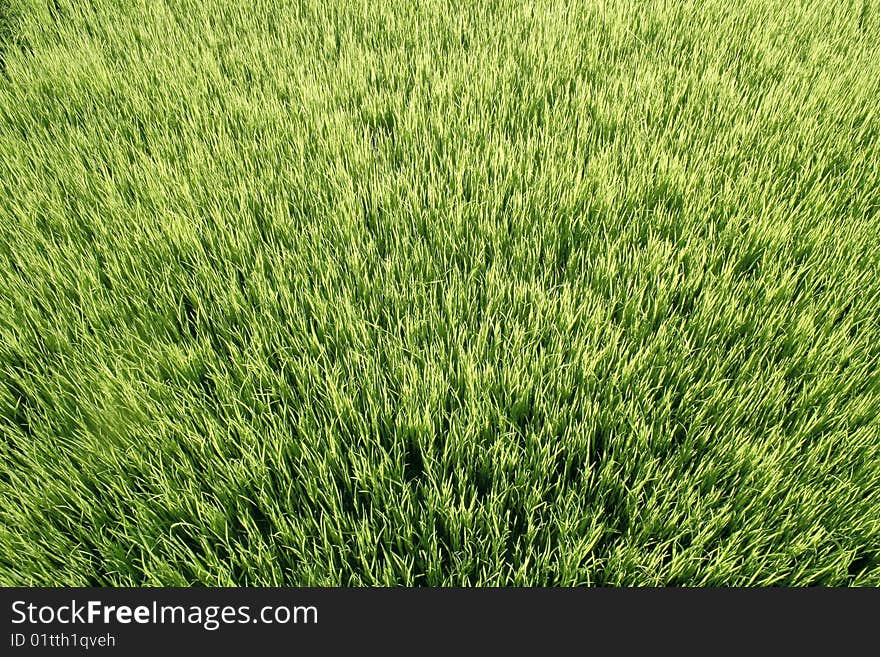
<point>425,292</point>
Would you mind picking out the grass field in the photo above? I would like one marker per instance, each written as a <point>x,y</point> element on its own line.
<point>495,292</point>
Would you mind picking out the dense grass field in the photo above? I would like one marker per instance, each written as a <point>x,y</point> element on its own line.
<point>354,292</point>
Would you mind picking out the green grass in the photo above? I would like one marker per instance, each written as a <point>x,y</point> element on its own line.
<point>430,292</point>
